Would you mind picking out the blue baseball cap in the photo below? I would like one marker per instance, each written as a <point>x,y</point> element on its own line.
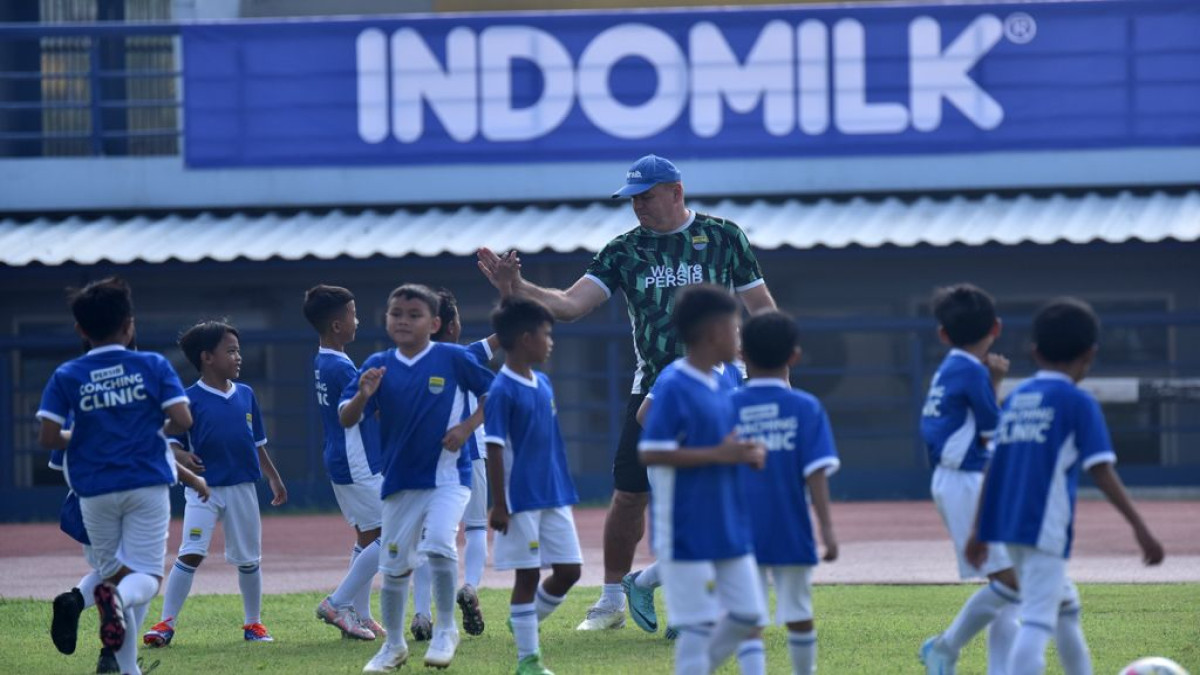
<point>645,174</point>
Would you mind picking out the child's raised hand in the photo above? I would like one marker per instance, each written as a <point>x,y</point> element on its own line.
<point>279,490</point>
<point>997,366</point>
<point>368,384</point>
<point>1152,549</point>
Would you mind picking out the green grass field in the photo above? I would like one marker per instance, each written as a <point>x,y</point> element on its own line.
<point>863,629</point>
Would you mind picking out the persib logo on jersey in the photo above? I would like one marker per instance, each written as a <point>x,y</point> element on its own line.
<point>437,384</point>
<point>700,242</point>
<point>250,421</point>
<point>668,276</point>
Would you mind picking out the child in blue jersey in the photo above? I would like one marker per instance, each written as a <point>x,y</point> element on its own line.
<point>700,523</point>
<point>801,456</point>
<point>414,390</point>
<point>229,445</point>
<point>117,459</point>
<point>1049,431</point>
<point>467,436</point>
<point>959,415</point>
<point>352,459</point>
<point>531,507</point>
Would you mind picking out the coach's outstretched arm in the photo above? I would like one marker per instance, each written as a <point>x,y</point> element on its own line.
<point>576,302</point>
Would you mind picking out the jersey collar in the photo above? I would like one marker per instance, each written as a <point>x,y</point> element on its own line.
<point>768,382</point>
<point>690,370</point>
<point>334,352</point>
<point>533,383</point>
<point>686,224</point>
<point>965,354</point>
<point>106,348</point>
<point>217,392</point>
<point>413,361</point>
<point>1052,375</point>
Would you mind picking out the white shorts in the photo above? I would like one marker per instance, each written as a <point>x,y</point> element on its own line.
<point>1046,590</point>
<point>956,496</point>
<point>476,514</point>
<point>702,591</point>
<point>793,592</point>
<point>418,523</point>
<point>360,503</point>
<point>538,539</point>
<point>131,524</point>
<point>236,508</point>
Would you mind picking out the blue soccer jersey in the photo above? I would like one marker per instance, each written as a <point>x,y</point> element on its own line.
<point>476,447</point>
<point>418,402</point>
<point>959,411</point>
<point>351,455</point>
<point>1049,430</point>
<point>728,375</point>
<point>226,433</point>
<point>116,398</point>
<point>521,418</point>
<point>696,513</point>
<point>795,430</point>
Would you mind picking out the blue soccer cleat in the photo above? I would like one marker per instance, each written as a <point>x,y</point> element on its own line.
<point>641,603</point>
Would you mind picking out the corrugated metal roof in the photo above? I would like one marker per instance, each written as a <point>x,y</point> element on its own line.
<point>770,225</point>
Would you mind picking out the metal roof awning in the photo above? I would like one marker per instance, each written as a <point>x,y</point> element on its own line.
<point>1007,220</point>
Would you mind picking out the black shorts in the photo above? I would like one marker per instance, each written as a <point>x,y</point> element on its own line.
<point>628,473</point>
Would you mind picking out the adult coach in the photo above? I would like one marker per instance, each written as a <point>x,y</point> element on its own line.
<point>671,247</point>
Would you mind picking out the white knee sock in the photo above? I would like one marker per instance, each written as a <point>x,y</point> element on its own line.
<point>393,601</point>
<point>445,581</point>
<point>979,610</point>
<point>475,555</point>
<point>137,589</point>
<point>127,654</point>
<point>752,657</point>
<point>362,599</point>
<point>729,633</point>
<point>1028,656</point>
<point>525,629</point>
<point>1001,634</point>
<point>361,574</point>
<point>1072,647</point>
<point>649,577</point>
<point>546,603</point>
<point>179,584</point>
<point>613,597</point>
<point>422,585</point>
<point>250,583</point>
<point>691,650</point>
<point>87,587</point>
<point>802,647</point>
<point>139,617</point>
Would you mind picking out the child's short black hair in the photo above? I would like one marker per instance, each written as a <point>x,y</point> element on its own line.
<point>102,307</point>
<point>698,304</point>
<point>1065,329</point>
<point>447,311</point>
<point>965,311</point>
<point>418,292</point>
<point>322,304</point>
<point>517,316</point>
<point>203,337</point>
<point>769,340</point>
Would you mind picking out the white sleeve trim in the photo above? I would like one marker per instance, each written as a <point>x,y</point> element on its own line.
<point>259,444</point>
<point>657,446</point>
<point>47,415</point>
<point>830,464</point>
<point>753,284</point>
<point>343,404</point>
<point>175,441</point>
<point>495,440</point>
<point>596,280</point>
<point>487,349</point>
<point>178,399</point>
<point>56,467</point>
<point>649,396</point>
<point>1101,458</point>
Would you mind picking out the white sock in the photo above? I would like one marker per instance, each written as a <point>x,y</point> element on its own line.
<point>1001,634</point>
<point>802,647</point>
<point>980,610</point>
<point>445,582</point>
<point>362,599</point>
<point>137,589</point>
<point>422,587</point>
<point>613,597</point>
<point>525,629</point>
<point>139,618</point>
<point>361,574</point>
<point>691,650</point>
<point>250,583</point>
<point>179,584</point>
<point>1072,647</point>
<point>475,555</point>
<point>752,657</point>
<point>127,654</point>
<point>87,587</point>
<point>730,632</point>
<point>1028,656</point>
<point>546,603</point>
<point>393,601</point>
<point>649,577</point>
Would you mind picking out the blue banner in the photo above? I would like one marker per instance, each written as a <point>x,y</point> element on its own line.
<point>822,81</point>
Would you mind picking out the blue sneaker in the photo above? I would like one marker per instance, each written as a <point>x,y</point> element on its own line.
<point>641,603</point>
<point>937,661</point>
<point>256,632</point>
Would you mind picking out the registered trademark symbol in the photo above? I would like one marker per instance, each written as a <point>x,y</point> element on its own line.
<point>1020,28</point>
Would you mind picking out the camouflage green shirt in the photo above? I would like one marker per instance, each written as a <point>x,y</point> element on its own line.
<point>649,268</point>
